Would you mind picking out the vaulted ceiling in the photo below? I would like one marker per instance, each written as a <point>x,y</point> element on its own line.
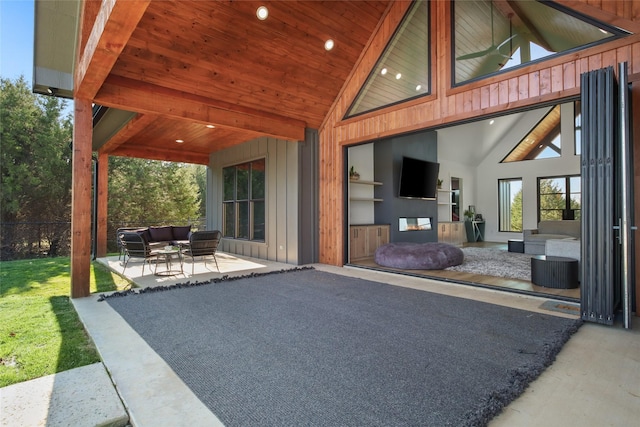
<point>210,74</point>
<point>190,64</point>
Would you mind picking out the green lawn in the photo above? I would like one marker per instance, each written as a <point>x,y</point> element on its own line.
<point>40,332</point>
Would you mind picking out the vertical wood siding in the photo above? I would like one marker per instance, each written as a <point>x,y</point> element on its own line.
<point>548,81</point>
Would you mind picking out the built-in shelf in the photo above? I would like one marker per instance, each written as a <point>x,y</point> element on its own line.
<point>364,199</point>
<point>360,181</point>
<point>364,182</point>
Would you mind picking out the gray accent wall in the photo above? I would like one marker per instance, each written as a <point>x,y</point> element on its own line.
<point>388,155</point>
<point>308,206</point>
<point>282,198</point>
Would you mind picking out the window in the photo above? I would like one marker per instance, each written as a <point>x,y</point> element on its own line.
<point>490,36</point>
<point>559,198</point>
<point>243,208</point>
<point>510,204</point>
<point>402,72</point>
<point>544,141</point>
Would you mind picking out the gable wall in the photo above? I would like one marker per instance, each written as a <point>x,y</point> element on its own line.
<point>548,81</point>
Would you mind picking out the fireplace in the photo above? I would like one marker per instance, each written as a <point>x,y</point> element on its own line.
<point>414,224</point>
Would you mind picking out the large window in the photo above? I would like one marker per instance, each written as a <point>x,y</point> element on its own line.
<point>402,71</point>
<point>559,198</point>
<point>244,201</point>
<point>510,204</point>
<point>493,36</point>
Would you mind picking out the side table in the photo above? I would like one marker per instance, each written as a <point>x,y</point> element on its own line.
<point>515,245</point>
<point>167,255</point>
<point>554,272</point>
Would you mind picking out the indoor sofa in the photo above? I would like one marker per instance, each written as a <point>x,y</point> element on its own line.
<point>535,239</point>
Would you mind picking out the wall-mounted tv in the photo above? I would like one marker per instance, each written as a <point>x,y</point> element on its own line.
<point>418,179</point>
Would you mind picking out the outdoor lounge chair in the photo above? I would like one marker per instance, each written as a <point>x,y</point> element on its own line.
<point>119,231</point>
<point>134,246</point>
<point>203,243</point>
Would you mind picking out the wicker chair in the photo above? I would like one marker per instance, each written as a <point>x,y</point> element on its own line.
<point>203,243</point>
<point>134,246</point>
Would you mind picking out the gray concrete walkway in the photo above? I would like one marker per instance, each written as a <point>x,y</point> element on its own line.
<point>595,380</point>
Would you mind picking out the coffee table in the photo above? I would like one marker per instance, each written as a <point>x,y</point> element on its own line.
<point>554,272</point>
<point>167,255</point>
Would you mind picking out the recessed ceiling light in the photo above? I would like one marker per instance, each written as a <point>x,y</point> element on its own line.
<point>262,13</point>
<point>179,141</point>
<point>210,126</point>
<point>383,71</point>
<point>329,44</point>
<point>492,121</point>
<point>398,76</point>
<point>418,87</point>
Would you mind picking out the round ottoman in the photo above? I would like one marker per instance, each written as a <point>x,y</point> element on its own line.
<point>418,256</point>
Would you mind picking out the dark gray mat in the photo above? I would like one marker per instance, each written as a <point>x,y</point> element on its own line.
<point>317,349</point>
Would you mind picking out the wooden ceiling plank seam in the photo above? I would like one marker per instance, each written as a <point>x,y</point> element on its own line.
<point>223,74</point>
<point>285,100</point>
<point>270,47</point>
<point>269,33</point>
<point>325,16</point>
<point>114,24</point>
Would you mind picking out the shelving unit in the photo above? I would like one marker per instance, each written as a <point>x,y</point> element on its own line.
<point>445,204</point>
<point>364,199</point>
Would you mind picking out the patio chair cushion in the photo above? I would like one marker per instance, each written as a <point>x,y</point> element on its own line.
<point>146,236</point>
<point>181,232</point>
<point>161,234</point>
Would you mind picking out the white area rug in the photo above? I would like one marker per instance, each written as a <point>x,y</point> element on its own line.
<point>495,262</point>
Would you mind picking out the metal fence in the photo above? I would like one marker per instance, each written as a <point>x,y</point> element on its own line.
<point>24,240</point>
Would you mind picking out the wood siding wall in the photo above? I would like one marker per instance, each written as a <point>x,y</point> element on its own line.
<point>281,197</point>
<point>544,82</point>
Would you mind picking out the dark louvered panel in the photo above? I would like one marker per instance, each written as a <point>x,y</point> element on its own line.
<point>597,169</point>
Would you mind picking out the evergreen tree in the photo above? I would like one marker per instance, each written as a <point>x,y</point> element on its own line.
<point>35,162</point>
<point>147,192</point>
<point>35,173</point>
<point>516,212</point>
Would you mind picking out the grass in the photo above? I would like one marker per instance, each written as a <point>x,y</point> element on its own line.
<point>40,332</point>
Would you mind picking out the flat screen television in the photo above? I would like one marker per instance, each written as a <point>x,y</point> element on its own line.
<point>418,179</point>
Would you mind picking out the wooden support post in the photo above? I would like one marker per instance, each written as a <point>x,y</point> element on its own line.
<point>81,199</point>
<point>102,194</point>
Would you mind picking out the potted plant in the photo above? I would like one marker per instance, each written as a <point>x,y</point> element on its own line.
<point>468,215</point>
<point>439,184</point>
<point>353,174</point>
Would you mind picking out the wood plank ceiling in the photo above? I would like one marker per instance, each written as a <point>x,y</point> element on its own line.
<point>190,60</point>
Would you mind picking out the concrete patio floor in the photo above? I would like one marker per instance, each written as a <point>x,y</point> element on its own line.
<point>595,380</point>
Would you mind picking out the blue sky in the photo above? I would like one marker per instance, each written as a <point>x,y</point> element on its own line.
<point>16,39</point>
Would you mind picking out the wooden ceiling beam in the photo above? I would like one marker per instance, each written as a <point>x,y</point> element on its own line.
<point>113,26</point>
<point>133,127</point>
<point>143,97</point>
<point>162,154</point>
